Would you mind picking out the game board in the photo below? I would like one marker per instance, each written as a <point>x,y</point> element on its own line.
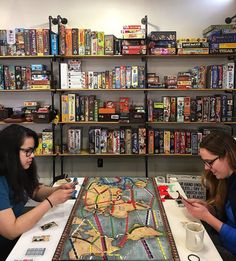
<point>118,218</point>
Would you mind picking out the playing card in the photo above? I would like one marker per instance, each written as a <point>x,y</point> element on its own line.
<point>48,225</point>
<point>41,238</point>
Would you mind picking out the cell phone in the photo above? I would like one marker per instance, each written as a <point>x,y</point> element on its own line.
<point>74,183</point>
<point>179,202</point>
<point>185,200</point>
<point>73,195</point>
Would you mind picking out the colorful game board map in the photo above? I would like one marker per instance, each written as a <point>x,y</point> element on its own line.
<point>117,219</point>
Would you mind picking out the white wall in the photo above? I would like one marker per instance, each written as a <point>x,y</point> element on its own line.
<point>187,17</point>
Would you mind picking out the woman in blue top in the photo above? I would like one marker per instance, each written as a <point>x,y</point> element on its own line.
<point>218,153</point>
<point>18,182</point>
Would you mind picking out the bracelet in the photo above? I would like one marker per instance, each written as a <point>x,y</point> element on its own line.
<point>49,202</point>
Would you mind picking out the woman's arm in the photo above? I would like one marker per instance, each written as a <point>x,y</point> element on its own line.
<point>42,191</point>
<point>12,227</point>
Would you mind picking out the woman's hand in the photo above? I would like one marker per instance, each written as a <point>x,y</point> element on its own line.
<point>195,200</point>
<point>68,185</point>
<point>61,195</point>
<point>197,210</point>
<point>202,212</point>
<point>202,202</point>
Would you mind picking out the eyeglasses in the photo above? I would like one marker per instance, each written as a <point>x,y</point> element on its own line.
<point>209,163</point>
<point>28,151</point>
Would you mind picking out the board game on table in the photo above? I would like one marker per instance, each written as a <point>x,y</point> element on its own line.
<point>119,218</point>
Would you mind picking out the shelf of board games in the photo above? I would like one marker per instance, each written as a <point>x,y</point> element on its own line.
<point>100,123</point>
<point>86,153</point>
<point>148,122</point>
<point>22,122</point>
<point>191,90</point>
<point>46,155</point>
<point>14,57</point>
<point>172,155</point>
<point>115,91</point>
<point>32,93</point>
<point>191,56</point>
<point>171,61</point>
<point>30,90</point>
<point>115,56</point>
<point>102,90</point>
<point>30,123</point>
<point>119,56</point>
<point>191,122</point>
<point>147,90</point>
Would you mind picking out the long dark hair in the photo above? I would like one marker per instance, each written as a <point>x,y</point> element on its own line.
<point>21,181</point>
<point>222,144</point>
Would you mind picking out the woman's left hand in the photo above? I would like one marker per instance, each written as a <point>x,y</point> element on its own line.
<point>197,210</point>
<point>68,185</point>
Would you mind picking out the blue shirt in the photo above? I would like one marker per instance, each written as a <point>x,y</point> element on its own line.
<point>6,201</point>
<point>228,229</point>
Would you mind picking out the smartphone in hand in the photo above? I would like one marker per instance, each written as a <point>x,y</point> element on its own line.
<point>74,183</point>
<point>179,202</point>
<point>186,201</point>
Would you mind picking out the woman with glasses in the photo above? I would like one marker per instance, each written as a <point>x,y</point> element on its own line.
<point>218,153</point>
<point>19,182</point>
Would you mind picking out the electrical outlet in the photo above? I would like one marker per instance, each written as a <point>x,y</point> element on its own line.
<point>100,163</point>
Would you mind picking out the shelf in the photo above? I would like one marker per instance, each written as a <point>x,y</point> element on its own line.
<point>36,91</point>
<point>122,90</point>
<point>192,90</point>
<point>229,122</point>
<point>172,155</point>
<point>151,123</point>
<point>102,90</point>
<point>99,122</point>
<point>24,122</point>
<point>191,56</point>
<point>85,153</point>
<point>192,122</point>
<point>118,56</point>
<point>115,56</point>
<point>135,56</point>
<point>23,57</point>
<point>30,90</point>
<point>140,93</point>
<point>44,155</point>
<point>146,89</point>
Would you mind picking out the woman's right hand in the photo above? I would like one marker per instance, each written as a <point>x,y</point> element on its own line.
<point>203,203</point>
<point>60,196</point>
<point>199,201</point>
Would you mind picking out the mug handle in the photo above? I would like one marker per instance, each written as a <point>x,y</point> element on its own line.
<point>197,240</point>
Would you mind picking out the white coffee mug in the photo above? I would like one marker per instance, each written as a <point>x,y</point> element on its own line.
<point>194,236</point>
